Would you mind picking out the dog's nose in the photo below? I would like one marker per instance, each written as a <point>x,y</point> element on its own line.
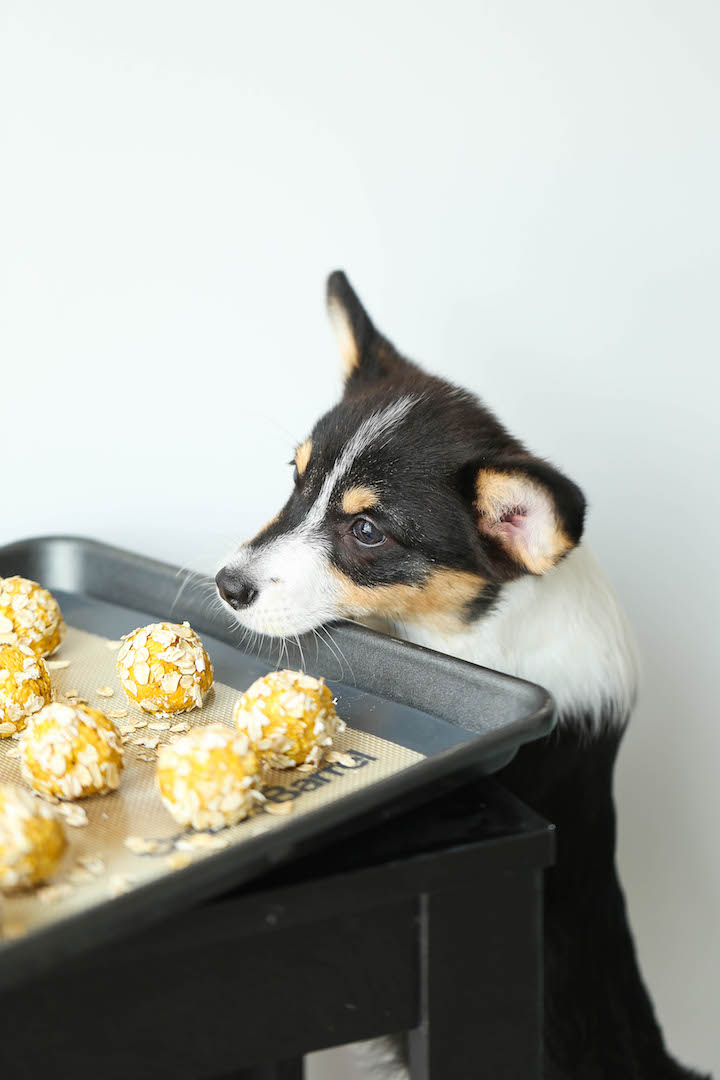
<point>236,591</point>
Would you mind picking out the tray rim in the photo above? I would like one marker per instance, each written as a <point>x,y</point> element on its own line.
<point>28,957</point>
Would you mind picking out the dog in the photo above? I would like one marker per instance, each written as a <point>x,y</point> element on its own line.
<point>414,510</point>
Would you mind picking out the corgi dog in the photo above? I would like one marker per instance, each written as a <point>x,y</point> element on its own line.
<point>414,510</point>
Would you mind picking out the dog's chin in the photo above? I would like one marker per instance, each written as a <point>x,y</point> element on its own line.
<point>280,624</point>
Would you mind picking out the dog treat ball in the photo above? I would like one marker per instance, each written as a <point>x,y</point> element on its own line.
<point>164,668</point>
<point>71,751</point>
<point>31,839</point>
<point>289,717</point>
<point>209,778</point>
<point>24,687</point>
<point>29,615</point>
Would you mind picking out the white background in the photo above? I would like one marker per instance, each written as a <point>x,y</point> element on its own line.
<point>525,194</point>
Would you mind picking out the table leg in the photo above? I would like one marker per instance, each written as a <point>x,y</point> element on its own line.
<point>481,983</point>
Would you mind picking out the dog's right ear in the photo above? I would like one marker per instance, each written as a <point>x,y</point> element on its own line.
<point>365,353</point>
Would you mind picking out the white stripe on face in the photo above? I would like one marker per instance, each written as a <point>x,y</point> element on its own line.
<point>371,429</point>
<point>296,589</point>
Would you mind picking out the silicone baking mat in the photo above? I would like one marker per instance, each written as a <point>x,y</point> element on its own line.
<point>99,864</point>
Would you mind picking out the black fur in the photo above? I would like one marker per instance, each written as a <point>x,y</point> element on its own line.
<point>599,1021</point>
<point>425,474</point>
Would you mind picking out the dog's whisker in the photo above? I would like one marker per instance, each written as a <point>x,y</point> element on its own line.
<point>332,646</point>
<point>190,575</point>
<point>317,645</point>
<point>340,650</point>
<point>302,654</point>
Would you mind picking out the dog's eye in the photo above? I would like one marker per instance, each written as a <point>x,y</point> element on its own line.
<point>367,533</point>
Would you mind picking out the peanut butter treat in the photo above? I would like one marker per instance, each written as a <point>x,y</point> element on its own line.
<point>29,615</point>
<point>209,778</point>
<point>165,669</point>
<point>24,687</point>
<point>289,718</point>
<point>32,841</point>
<point>70,751</point>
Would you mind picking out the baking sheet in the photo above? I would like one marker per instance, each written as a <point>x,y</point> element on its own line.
<point>98,863</point>
<point>459,719</point>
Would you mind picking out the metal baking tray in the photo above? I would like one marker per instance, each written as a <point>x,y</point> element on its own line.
<point>463,719</point>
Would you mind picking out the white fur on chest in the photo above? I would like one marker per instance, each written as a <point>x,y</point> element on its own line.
<point>563,630</point>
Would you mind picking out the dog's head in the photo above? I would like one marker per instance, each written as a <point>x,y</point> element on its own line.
<point>411,502</point>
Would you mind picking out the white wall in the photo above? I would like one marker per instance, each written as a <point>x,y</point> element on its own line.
<point>527,197</point>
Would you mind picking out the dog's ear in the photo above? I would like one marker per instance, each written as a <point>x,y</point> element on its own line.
<point>365,353</point>
<point>531,514</point>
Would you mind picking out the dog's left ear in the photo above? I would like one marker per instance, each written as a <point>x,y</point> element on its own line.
<point>366,354</point>
<point>531,514</point>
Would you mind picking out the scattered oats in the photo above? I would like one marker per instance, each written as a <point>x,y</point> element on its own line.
<point>150,742</point>
<point>73,814</point>
<point>280,808</point>
<point>337,757</point>
<point>57,665</point>
<point>159,725</point>
<point>13,751</point>
<point>140,723</point>
<point>94,863</point>
<point>141,845</point>
<point>145,757</point>
<point>50,894</point>
<point>105,691</point>
<point>181,726</point>
<point>79,876</point>
<point>71,693</point>
<point>119,884</point>
<point>117,714</point>
<point>202,842</point>
<point>178,860</point>
<point>306,767</point>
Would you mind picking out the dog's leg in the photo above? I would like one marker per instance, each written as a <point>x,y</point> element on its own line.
<point>599,1021</point>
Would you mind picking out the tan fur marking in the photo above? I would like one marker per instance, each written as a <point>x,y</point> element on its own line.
<point>357,499</point>
<point>440,600</point>
<point>302,456</point>
<point>344,336</point>
<point>495,492</point>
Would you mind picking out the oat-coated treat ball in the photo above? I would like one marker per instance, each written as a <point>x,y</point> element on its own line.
<point>31,839</point>
<point>289,717</point>
<point>209,778</point>
<point>164,668</point>
<point>71,751</point>
<point>24,687</point>
<point>29,615</point>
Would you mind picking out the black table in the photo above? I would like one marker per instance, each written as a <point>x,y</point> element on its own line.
<point>430,925</point>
